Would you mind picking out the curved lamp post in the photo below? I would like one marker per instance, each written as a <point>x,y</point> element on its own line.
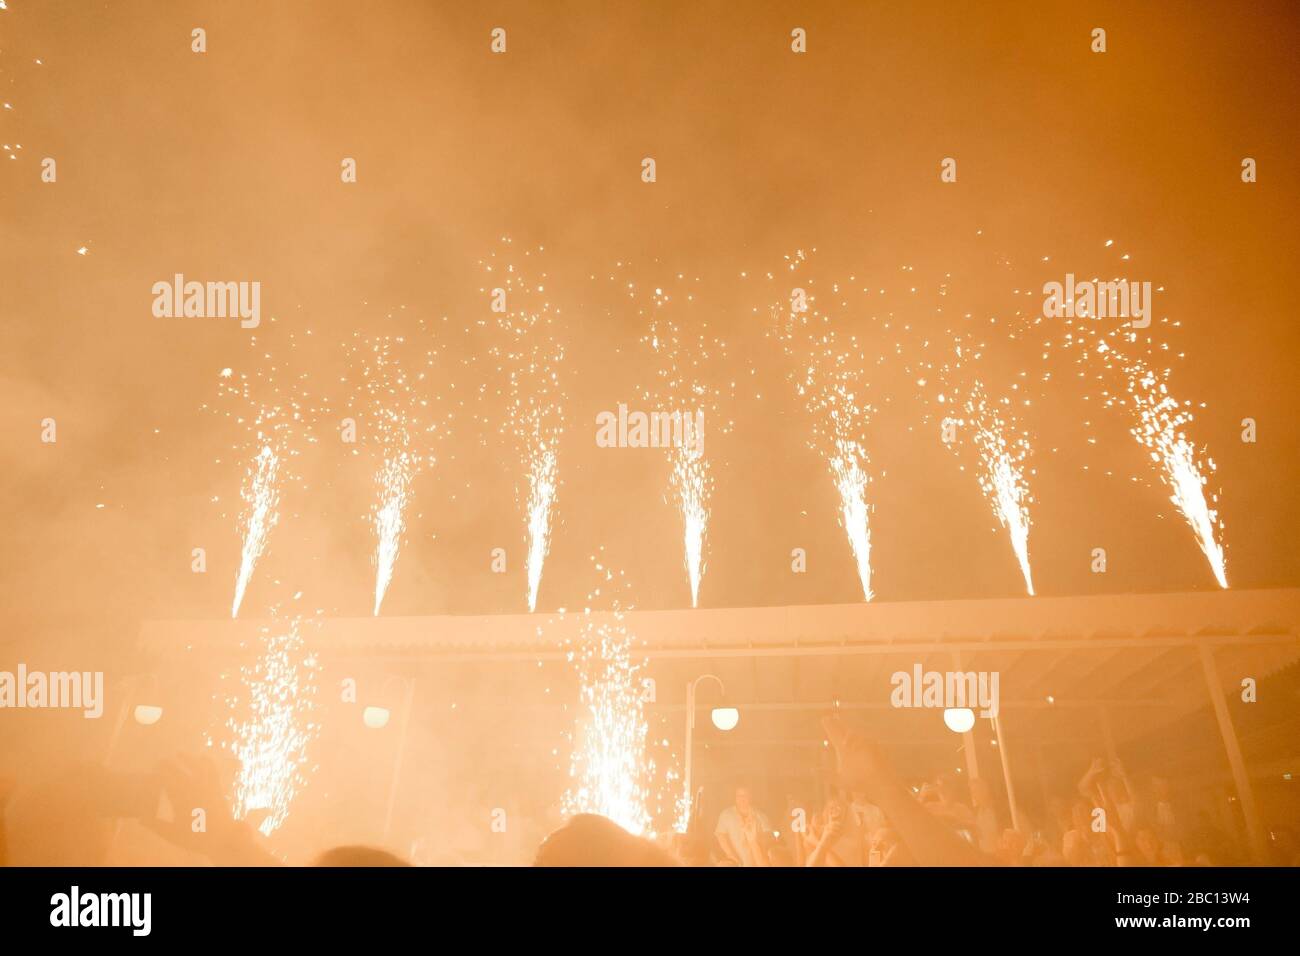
<point>724,718</point>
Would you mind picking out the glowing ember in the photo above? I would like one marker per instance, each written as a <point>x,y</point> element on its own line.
<point>261,495</point>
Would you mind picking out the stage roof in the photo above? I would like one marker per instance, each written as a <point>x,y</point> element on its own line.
<point>1131,650</point>
<point>1223,618</point>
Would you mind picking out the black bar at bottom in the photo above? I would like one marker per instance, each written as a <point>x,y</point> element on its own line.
<point>545,906</point>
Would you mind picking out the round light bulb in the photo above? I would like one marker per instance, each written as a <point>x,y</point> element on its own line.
<point>147,714</point>
<point>725,718</point>
<point>959,719</point>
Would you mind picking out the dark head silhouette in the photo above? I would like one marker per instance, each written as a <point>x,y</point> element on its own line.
<point>358,856</point>
<point>591,840</point>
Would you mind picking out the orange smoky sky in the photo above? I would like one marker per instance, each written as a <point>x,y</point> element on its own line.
<point>226,166</point>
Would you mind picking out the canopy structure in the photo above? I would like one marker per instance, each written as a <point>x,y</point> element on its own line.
<point>1123,649</point>
<point>1256,616</point>
<point>1115,665</point>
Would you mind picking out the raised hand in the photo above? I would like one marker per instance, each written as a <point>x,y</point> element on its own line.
<point>861,764</point>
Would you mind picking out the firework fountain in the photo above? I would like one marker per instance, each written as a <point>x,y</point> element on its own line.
<point>270,726</point>
<point>1002,475</point>
<point>686,391</point>
<point>1001,443</point>
<point>1158,421</point>
<point>1159,428</point>
<point>398,415</point>
<point>611,769</point>
<point>274,410</point>
<point>608,765</point>
<point>693,485</point>
<point>260,492</point>
<point>388,517</point>
<point>829,374</point>
<point>530,358</point>
<point>542,476</point>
